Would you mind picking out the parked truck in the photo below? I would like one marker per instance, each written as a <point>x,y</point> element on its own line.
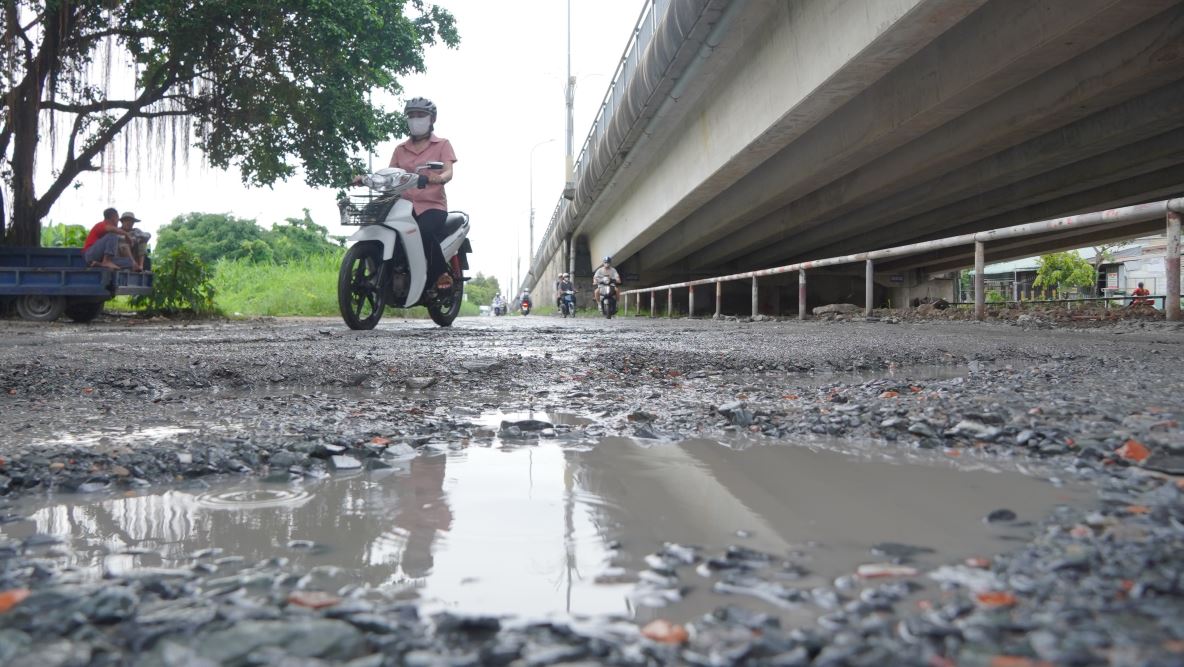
<point>46,283</point>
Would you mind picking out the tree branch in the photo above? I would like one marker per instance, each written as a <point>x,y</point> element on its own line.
<point>112,32</point>
<point>84,162</point>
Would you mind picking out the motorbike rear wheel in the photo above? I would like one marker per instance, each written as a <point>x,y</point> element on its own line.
<point>446,306</point>
<point>359,295</point>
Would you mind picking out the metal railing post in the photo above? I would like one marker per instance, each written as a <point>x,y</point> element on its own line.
<point>653,294</point>
<point>691,302</point>
<point>1171,259</point>
<point>801,295</point>
<point>869,288</point>
<point>670,302</point>
<point>755,298</point>
<point>980,262</point>
<point>719,297</point>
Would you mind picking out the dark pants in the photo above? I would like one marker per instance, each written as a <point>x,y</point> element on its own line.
<point>431,228</point>
<point>106,246</point>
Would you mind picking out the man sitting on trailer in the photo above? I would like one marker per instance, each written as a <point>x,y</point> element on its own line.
<point>101,248</point>
<point>135,243</point>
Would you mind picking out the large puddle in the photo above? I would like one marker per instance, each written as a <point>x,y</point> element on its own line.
<point>553,528</point>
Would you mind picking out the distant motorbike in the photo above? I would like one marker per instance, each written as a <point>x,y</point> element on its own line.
<point>606,297</point>
<point>525,306</point>
<point>567,303</point>
<point>499,308</point>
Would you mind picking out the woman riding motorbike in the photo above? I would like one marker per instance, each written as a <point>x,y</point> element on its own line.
<point>430,204</point>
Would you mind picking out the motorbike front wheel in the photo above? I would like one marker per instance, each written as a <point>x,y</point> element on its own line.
<point>446,306</point>
<point>609,308</point>
<point>359,295</point>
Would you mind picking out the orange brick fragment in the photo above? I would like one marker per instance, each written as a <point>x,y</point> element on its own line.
<point>1134,450</point>
<point>665,632</point>
<point>313,599</point>
<point>996,599</point>
<point>11,598</point>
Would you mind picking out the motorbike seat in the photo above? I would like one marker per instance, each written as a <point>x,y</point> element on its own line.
<point>454,221</point>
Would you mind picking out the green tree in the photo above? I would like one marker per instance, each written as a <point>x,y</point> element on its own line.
<point>481,289</point>
<point>298,238</point>
<point>212,236</point>
<point>269,87</point>
<point>1103,254</point>
<point>1061,270</point>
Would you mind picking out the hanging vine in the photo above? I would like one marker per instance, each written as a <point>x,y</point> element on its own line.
<point>265,87</point>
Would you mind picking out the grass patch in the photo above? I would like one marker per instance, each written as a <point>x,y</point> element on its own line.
<point>305,287</point>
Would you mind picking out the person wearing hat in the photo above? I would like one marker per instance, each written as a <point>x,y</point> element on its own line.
<point>101,248</point>
<point>135,241</point>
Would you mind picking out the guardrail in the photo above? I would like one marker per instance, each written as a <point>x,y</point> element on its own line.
<point>1171,209</point>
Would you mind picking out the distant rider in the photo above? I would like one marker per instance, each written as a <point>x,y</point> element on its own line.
<point>606,269</point>
<point>564,284</point>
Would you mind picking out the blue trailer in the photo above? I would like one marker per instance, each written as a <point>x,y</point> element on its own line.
<point>45,283</point>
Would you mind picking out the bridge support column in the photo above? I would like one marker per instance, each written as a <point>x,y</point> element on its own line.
<point>980,297</point>
<point>869,288</point>
<point>653,295</point>
<point>670,303</point>
<point>1171,267</point>
<point>755,298</point>
<point>802,295</point>
<point>691,302</point>
<point>719,298</point>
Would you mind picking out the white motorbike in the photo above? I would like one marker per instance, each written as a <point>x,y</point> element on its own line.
<point>385,264</point>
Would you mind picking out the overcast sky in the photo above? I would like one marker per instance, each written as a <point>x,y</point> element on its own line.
<point>500,93</point>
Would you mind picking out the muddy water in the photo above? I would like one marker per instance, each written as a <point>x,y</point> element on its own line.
<point>552,528</point>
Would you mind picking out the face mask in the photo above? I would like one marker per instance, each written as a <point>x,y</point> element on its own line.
<point>419,126</point>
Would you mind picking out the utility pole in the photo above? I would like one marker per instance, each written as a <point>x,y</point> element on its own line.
<point>569,184</point>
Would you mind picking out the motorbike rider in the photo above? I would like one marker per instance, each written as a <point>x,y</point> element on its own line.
<point>606,269</point>
<point>564,284</point>
<point>430,204</point>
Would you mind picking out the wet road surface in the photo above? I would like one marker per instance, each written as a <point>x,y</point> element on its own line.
<point>679,466</point>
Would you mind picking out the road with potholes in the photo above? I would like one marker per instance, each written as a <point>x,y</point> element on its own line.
<point>1078,562</point>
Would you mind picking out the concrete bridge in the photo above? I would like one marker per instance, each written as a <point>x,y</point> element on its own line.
<point>744,134</point>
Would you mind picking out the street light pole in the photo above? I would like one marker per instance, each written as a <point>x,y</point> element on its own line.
<point>530,252</point>
<point>569,181</point>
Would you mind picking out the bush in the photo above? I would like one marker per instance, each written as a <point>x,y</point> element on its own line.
<point>63,236</point>
<point>181,283</point>
<point>995,297</point>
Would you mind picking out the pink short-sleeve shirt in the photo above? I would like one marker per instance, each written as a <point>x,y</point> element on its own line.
<point>405,158</point>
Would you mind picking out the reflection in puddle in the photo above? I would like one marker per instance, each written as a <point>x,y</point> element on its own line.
<point>533,530</point>
<point>121,436</point>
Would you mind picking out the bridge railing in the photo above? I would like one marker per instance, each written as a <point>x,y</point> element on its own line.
<point>1172,210</point>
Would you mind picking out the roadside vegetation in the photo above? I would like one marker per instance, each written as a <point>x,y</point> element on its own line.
<point>217,264</point>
